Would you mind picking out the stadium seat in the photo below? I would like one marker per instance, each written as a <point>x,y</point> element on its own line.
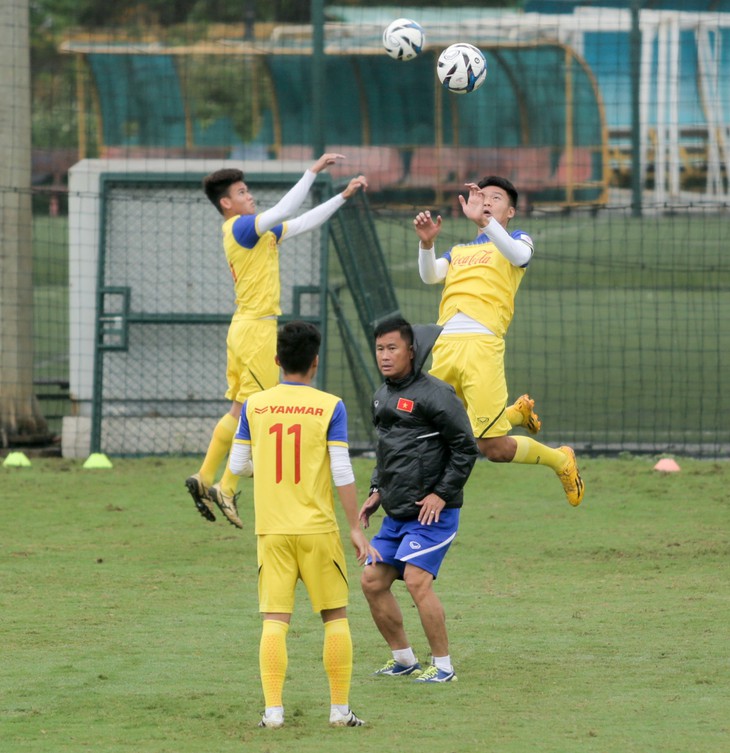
<point>381,165</point>
<point>575,166</point>
<point>528,167</point>
<point>437,166</point>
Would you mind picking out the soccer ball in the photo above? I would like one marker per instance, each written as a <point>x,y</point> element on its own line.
<point>462,68</point>
<point>403,39</point>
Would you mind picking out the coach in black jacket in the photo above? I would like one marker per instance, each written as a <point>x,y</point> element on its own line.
<point>424,455</point>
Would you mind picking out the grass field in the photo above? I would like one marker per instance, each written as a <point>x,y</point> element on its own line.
<point>130,624</point>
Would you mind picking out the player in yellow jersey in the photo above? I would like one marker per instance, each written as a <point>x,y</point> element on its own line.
<point>293,438</point>
<point>481,279</point>
<point>251,244</point>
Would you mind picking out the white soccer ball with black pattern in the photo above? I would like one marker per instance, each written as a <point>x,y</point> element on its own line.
<point>403,39</point>
<point>462,68</point>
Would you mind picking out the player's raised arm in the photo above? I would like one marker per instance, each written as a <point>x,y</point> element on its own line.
<point>320,214</point>
<point>518,250</point>
<point>326,160</point>
<point>426,228</point>
<point>473,206</point>
<point>354,186</point>
<point>287,205</point>
<point>430,268</point>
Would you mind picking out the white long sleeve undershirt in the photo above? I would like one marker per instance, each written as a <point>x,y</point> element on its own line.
<point>241,464</point>
<point>287,205</point>
<point>341,467</point>
<point>517,252</point>
<point>314,217</point>
<point>431,269</point>
<point>239,461</point>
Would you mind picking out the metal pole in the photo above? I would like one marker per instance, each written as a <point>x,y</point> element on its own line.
<point>635,64</point>
<point>318,139</point>
<point>249,21</point>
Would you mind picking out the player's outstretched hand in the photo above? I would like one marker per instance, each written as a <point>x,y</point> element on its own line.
<point>426,229</point>
<point>327,159</point>
<point>354,186</point>
<point>473,207</point>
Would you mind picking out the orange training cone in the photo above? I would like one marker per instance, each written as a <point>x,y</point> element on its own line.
<point>667,465</point>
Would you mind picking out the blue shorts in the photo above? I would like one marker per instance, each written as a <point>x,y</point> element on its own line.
<point>408,542</point>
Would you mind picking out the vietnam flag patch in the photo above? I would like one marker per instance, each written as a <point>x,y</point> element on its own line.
<point>405,404</point>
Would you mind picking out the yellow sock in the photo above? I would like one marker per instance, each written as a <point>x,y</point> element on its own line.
<point>273,660</point>
<point>220,444</point>
<point>337,659</point>
<point>531,452</point>
<point>229,481</point>
<point>514,416</point>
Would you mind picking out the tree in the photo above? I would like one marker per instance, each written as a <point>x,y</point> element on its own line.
<point>20,416</point>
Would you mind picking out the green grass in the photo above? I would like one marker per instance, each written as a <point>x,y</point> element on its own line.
<point>130,624</point>
<point>50,250</point>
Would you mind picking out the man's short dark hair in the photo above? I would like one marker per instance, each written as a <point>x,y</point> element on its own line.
<point>297,345</point>
<point>504,184</point>
<point>394,324</point>
<point>216,184</point>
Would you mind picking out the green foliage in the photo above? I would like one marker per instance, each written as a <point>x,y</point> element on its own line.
<point>130,624</point>
<point>217,89</point>
<point>440,3</point>
<point>54,113</point>
<point>64,14</point>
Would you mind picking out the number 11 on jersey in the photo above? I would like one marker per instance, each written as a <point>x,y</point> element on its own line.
<point>296,431</point>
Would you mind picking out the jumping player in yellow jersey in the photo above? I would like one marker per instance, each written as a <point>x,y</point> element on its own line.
<point>481,280</point>
<point>251,244</point>
<point>292,438</point>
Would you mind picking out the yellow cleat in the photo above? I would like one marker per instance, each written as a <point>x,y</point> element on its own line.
<point>227,504</point>
<point>530,420</point>
<point>570,477</point>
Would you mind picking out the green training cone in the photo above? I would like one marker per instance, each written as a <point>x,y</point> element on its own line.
<point>16,460</point>
<point>97,460</point>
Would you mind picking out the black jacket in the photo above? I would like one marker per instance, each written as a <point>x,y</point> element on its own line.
<point>425,441</point>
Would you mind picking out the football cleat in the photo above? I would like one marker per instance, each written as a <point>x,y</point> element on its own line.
<point>226,504</point>
<point>338,719</point>
<point>391,667</point>
<point>570,477</point>
<point>199,494</point>
<point>273,720</point>
<point>524,405</point>
<point>434,674</point>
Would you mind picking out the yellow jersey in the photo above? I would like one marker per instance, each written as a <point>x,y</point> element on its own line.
<point>481,283</point>
<point>254,263</point>
<point>290,428</point>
